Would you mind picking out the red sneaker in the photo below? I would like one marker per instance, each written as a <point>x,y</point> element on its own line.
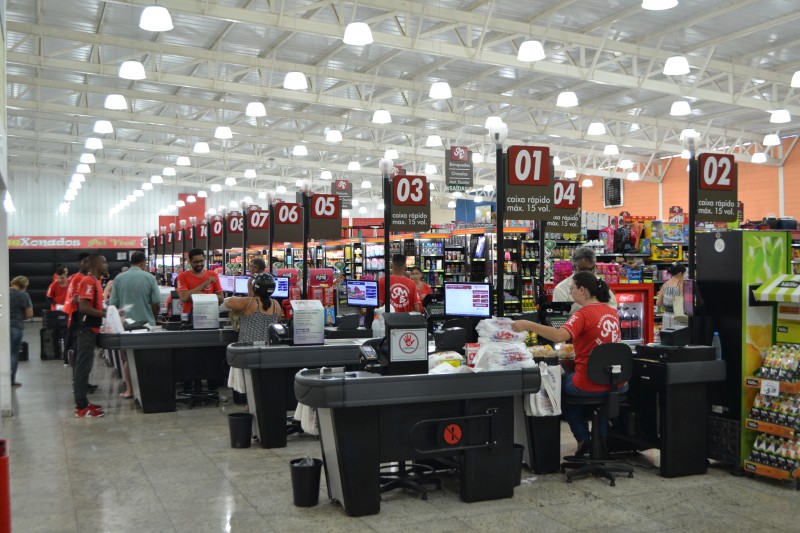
<point>90,411</point>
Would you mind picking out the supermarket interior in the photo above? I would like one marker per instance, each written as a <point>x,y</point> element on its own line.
<point>367,265</point>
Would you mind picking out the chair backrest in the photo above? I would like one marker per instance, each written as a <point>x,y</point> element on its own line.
<point>602,360</point>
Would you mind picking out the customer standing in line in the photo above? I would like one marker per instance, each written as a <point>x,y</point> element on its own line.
<point>257,266</point>
<point>670,291</point>
<point>137,289</point>
<point>90,306</point>
<point>21,310</point>
<point>593,324</point>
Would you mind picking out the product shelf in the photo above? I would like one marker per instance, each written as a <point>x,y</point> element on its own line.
<point>770,471</point>
<point>772,429</point>
<point>753,382</point>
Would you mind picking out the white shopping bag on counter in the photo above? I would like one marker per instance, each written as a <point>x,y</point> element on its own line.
<point>307,417</point>
<point>546,402</point>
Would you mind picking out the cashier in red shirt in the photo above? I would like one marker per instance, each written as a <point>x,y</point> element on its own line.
<point>593,324</point>
<point>198,280</point>
<point>402,291</point>
<point>57,291</point>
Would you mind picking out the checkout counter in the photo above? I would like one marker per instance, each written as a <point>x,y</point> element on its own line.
<point>367,419</point>
<point>269,378</point>
<point>158,359</point>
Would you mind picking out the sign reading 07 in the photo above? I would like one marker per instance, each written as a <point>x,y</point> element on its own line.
<point>717,172</point>
<point>410,190</point>
<point>529,165</point>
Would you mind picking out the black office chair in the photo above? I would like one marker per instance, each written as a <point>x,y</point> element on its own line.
<point>611,364</point>
<point>410,477</point>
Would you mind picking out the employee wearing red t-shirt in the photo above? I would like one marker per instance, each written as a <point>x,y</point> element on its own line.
<point>90,305</point>
<point>198,280</point>
<point>57,291</point>
<point>71,305</point>
<point>402,291</point>
<point>593,324</point>
<point>423,289</point>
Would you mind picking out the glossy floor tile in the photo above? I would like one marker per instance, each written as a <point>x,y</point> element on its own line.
<point>176,472</point>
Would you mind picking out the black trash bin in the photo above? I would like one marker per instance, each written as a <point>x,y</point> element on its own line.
<point>518,450</point>
<point>241,428</point>
<point>305,481</point>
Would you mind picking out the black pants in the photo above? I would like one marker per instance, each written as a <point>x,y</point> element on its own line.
<point>71,340</point>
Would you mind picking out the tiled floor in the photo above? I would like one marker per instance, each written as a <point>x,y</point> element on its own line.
<point>177,472</point>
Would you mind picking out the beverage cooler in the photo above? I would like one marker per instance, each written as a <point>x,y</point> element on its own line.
<point>636,305</point>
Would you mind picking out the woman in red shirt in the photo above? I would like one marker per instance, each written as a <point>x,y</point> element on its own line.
<point>57,291</point>
<point>423,289</point>
<point>593,324</point>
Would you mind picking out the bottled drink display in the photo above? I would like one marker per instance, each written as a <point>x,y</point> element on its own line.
<point>625,324</point>
<point>781,363</point>
<point>635,325</point>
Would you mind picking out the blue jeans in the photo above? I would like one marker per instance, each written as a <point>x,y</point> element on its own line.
<point>574,415</point>
<point>16,342</point>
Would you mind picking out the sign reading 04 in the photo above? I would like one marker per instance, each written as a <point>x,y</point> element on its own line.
<point>410,204</point>
<point>530,191</point>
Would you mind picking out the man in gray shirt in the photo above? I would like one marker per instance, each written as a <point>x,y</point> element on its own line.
<point>138,289</point>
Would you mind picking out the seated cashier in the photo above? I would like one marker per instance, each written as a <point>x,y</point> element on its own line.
<point>593,324</point>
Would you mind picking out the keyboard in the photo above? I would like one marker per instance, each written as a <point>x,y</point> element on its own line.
<point>556,321</point>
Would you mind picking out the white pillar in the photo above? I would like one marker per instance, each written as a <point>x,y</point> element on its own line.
<point>5,337</point>
<point>661,200</point>
<point>781,197</point>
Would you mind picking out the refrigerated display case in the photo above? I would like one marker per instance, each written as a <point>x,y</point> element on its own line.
<point>635,309</point>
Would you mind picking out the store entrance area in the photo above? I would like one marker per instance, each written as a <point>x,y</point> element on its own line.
<point>176,471</point>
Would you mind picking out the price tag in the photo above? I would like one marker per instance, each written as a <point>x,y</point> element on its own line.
<point>410,190</point>
<point>717,172</point>
<point>529,165</point>
<point>770,387</point>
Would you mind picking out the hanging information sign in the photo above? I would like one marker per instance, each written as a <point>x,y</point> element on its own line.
<point>411,205</point>
<point>199,235</point>
<point>530,187</point>
<point>257,226</point>
<point>234,228</point>
<point>717,188</point>
<point>326,217</point>
<point>566,207</point>
<point>344,188</point>
<point>179,234</point>
<point>289,222</point>
<point>458,169</point>
<point>216,230</point>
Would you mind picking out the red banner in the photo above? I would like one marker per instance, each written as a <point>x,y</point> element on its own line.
<point>40,242</point>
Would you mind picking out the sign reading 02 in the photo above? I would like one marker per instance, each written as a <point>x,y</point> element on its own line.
<point>410,190</point>
<point>717,172</point>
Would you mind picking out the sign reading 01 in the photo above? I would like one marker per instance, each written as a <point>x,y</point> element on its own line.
<point>411,204</point>
<point>717,188</point>
<point>326,217</point>
<point>529,184</point>
<point>288,222</point>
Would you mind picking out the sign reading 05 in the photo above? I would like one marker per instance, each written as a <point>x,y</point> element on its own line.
<point>325,206</point>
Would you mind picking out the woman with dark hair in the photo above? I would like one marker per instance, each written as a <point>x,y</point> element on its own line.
<point>423,289</point>
<point>256,314</point>
<point>670,291</point>
<point>57,291</point>
<point>593,324</point>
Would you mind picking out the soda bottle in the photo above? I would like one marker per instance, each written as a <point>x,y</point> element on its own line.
<point>635,325</point>
<point>625,324</point>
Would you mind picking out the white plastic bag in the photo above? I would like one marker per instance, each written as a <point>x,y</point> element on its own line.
<point>113,322</point>
<point>546,402</point>
<point>307,417</point>
<point>502,356</point>
<point>498,329</point>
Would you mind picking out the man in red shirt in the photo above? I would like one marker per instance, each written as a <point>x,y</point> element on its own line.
<point>90,306</point>
<point>403,293</point>
<point>57,291</point>
<point>198,280</point>
<point>71,305</point>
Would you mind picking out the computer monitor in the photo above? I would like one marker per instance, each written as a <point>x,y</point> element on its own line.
<point>226,282</point>
<point>240,284</point>
<point>362,293</point>
<point>688,297</point>
<point>468,299</point>
<point>281,288</point>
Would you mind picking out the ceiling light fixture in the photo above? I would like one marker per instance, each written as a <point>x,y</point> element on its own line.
<point>567,99</point>
<point>201,147</point>
<point>493,121</point>
<point>156,179</point>
<point>183,161</point>
<point>685,154</point>
<point>530,50</point>
<point>147,186</point>
<point>357,34</point>
<point>280,189</point>
<point>433,141</point>
<point>611,149</point>
<point>451,204</point>
<point>632,176</point>
<point>430,168</point>
<point>345,213</point>
<point>116,102</point>
<point>83,168</point>
<point>796,80</point>
<point>391,153</point>
<point>138,193</point>
<point>250,173</point>
<point>362,210</point>
<point>570,173</point>
<point>556,161</point>
<point>587,182</point>
<point>262,195</point>
<point>625,164</point>
<point>440,90</point>
<point>381,116</point>
<point>168,171</point>
<point>300,150</point>
<point>658,5</point>
<point>93,143</point>
<point>295,81</point>
<point>78,177</point>
<point>355,202</point>
<point>596,128</point>
<point>132,70</point>
<point>103,127</point>
<point>191,199</point>
<point>780,116</point>
<point>366,184</point>
<point>676,66</point>
<point>333,136</point>
<point>326,175</point>
<point>353,165</point>
<point>155,18</point>
<point>255,109</point>
<point>759,157</point>
<point>477,157</point>
<point>233,204</point>
<point>216,187</point>
<point>202,194</point>
<point>681,108</point>
<point>223,132</point>
<point>230,181</point>
<point>771,139</point>
<point>88,159</point>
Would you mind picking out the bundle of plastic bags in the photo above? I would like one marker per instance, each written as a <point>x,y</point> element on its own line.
<point>498,329</point>
<point>501,348</point>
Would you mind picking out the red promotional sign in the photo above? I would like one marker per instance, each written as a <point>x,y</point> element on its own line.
<point>410,190</point>
<point>50,242</point>
<point>257,220</point>
<point>217,226</point>
<point>529,165</point>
